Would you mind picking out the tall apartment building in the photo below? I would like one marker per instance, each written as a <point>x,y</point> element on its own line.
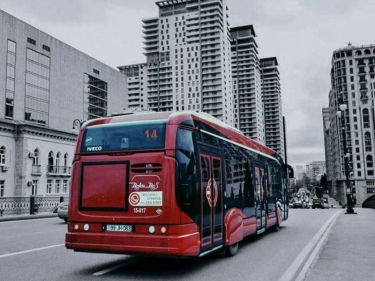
<point>273,116</point>
<point>248,104</point>
<point>353,83</point>
<point>194,61</point>
<point>44,86</point>
<point>136,86</point>
<point>188,64</point>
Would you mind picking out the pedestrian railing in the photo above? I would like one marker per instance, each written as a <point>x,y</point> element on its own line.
<point>21,205</point>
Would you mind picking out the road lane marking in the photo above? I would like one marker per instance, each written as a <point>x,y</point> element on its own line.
<point>30,251</point>
<point>113,268</point>
<point>307,255</point>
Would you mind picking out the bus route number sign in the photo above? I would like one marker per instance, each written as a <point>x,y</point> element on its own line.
<point>151,134</point>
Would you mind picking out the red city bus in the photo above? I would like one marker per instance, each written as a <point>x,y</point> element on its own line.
<point>176,184</point>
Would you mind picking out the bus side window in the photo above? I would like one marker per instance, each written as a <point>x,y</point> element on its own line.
<point>186,192</point>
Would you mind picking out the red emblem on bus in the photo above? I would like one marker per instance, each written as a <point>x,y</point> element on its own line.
<point>211,192</point>
<point>134,199</point>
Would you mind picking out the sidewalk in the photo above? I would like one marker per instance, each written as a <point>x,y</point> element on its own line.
<point>333,203</point>
<point>27,216</point>
<point>348,252</point>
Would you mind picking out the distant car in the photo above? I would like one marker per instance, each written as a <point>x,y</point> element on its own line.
<point>62,211</point>
<point>325,205</point>
<point>297,203</point>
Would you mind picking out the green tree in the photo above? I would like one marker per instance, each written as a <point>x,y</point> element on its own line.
<point>306,180</point>
<point>323,182</point>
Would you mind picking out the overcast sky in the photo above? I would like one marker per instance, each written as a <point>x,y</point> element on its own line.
<point>302,34</point>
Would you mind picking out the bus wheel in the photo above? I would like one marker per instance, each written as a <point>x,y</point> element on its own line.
<point>276,227</point>
<point>231,250</point>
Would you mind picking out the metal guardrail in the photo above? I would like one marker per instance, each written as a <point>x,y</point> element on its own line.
<point>369,202</point>
<point>21,205</point>
<point>14,205</point>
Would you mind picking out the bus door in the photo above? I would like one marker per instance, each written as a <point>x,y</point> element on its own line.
<point>261,200</point>
<point>211,222</point>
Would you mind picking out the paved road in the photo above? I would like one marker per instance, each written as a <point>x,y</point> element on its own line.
<point>312,245</point>
<point>33,250</point>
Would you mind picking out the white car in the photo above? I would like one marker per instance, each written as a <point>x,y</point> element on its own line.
<point>62,211</point>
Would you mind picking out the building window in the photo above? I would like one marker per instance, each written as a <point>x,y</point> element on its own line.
<point>2,155</point>
<point>369,161</point>
<point>2,188</point>
<point>368,145</point>
<point>97,71</point>
<point>66,163</point>
<point>31,41</point>
<point>51,167</point>
<point>49,186</point>
<point>366,118</point>
<point>36,157</point>
<point>10,79</point>
<point>95,97</point>
<point>34,187</point>
<point>65,186</point>
<point>37,87</point>
<point>57,186</point>
<point>57,161</point>
<point>48,49</point>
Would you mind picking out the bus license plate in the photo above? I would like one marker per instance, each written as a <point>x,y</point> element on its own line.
<point>119,227</point>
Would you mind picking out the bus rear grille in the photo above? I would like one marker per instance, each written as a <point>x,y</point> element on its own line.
<point>146,168</point>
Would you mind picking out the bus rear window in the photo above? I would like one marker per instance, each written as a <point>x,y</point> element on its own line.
<point>124,136</point>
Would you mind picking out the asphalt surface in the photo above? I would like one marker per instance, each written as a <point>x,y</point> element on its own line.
<point>347,252</point>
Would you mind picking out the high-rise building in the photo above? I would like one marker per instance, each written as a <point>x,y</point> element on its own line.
<point>353,84</point>
<point>136,85</point>
<point>273,116</point>
<point>46,85</point>
<point>249,111</point>
<point>194,61</point>
<point>188,60</point>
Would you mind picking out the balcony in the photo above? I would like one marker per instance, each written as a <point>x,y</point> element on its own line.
<point>59,170</point>
<point>36,170</point>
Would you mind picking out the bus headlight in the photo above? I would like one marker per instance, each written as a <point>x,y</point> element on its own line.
<point>86,227</point>
<point>163,229</point>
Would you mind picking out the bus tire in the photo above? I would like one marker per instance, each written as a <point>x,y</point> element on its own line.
<point>231,250</point>
<point>276,227</point>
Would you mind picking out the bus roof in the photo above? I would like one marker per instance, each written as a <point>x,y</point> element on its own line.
<point>176,118</point>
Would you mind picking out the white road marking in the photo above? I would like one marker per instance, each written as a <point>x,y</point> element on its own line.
<point>307,255</point>
<point>113,268</point>
<point>30,251</point>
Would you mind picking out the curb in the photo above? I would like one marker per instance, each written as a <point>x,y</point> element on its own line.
<point>27,217</point>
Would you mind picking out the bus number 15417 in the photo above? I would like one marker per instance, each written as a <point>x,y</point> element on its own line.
<point>139,210</point>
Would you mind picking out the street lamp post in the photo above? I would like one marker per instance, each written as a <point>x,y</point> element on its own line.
<point>348,190</point>
<point>77,124</point>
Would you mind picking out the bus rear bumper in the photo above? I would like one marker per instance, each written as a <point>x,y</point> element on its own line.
<point>132,243</point>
